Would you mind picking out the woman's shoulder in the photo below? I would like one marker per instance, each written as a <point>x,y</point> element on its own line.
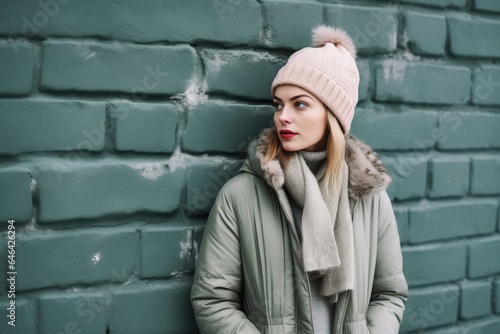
<point>241,195</point>
<point>379,200</point>
<point>378,206</point>
<point>242,186</point>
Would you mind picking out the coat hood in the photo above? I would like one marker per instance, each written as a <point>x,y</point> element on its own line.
<point>367,174</point>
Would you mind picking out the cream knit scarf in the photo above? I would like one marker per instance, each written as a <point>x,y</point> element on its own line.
<point>327,236</point>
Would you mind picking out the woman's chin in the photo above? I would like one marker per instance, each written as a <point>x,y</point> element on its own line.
<point>291,147</point>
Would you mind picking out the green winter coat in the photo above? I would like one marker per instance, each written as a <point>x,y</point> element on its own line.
<point>249,277</point>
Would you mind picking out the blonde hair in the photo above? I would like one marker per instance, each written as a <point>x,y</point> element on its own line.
<point>335,150</point>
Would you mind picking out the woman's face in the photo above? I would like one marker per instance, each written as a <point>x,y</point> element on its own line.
<point>300,119</point>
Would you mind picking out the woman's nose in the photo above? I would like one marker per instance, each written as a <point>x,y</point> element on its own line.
<point>285,116</point>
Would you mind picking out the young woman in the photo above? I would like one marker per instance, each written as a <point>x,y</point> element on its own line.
<point>304,239</point>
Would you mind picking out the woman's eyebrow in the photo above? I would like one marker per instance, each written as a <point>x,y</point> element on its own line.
<point>293,98</point>
<point>299,96</point>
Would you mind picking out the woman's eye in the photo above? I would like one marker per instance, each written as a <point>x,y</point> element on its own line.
<point>277,105</point>
<point>300,105</point>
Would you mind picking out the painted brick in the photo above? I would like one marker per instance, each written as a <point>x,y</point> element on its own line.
<point>93,67</point>
<point>426,33</point>
<point>481,326</point>
<point>447,330</point>
<point>450,177</point>
<point>474,299</point>
<point>439,3</point>
<point>204,178</point>
<point>70,312</point>
<point>418,82</point>
<point>430,223</point>
<point>409,176</point>
<point>443,262</point>
<point>487,5</point>
<point>153,308</point>
<point>17,61</point>
<point>364,79</point>
<point>373,29</point>
<point>105,189</point>
<point>476,326</point>
<point>496,287</point>
<point>402,130</point>
<point>474,36</point>
<point>15,197</point>
<point>241,73</point>
<point>483,257</point>
<point>25,317</point>
<point>145,127</point>
<point>486,86</point>
<point>485,176</point>
<point>431,307</point>
<point>156,241</point>
<point>305,16</point>
<point>239,124</point>
<point>403,225</point>
<point>486,327</point>
<point>217,21</point>
<point>3,267</point>
<point>43,125</point>
<point>75,257</point>
<point>468,131</point>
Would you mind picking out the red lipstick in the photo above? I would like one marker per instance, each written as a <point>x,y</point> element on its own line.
<point>287,134</point>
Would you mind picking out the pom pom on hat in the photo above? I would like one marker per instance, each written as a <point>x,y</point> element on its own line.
<point>324,34</point>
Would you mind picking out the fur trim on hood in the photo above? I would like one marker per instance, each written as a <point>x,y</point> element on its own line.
<point>367,174</point>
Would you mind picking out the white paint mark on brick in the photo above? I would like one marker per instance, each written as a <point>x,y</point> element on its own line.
<point>194,94</point>
<point>177,160</point>
<point>266,37</point>
<point>195,249</point>
<point>33,184</point>
<point>150,171</point>
<point>214,62</point>
<point>393,38</point>
<point>32,225</point>
<point>410,56</point>
<point>404,37</point>
<point>394,70</point>
<point>96,258</point>
<point>263,57</point>
<point>187,244</point>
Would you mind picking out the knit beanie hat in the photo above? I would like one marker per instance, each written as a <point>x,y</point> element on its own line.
<point>328,70</point>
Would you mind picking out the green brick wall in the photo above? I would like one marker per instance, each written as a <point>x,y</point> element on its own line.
<point>121,120</point>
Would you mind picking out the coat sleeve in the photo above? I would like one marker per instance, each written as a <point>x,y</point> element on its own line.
<point>217,284</point>
<point>390,290</point>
